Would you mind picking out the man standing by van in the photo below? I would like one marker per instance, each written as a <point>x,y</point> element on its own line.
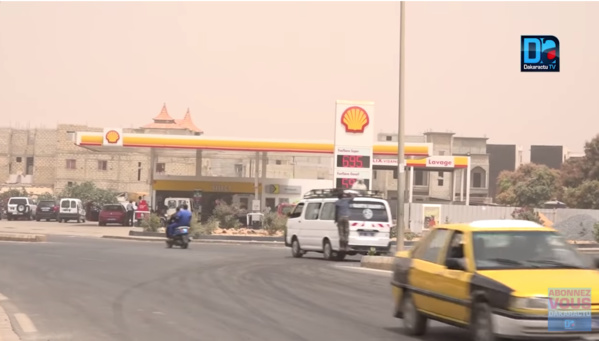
<point>130,213</point>
<point>342,218</point>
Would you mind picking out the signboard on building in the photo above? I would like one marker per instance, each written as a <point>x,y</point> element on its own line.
<point>283,189</point>
<point>449,162</point>
<point>354,137</point>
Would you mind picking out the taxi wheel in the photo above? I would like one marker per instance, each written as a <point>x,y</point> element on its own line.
<point>482,324</point>
<point>414,323</point>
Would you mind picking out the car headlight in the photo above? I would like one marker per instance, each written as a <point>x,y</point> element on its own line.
<point>537,303</point>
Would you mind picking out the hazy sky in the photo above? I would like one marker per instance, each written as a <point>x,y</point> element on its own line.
<point>274,70</point>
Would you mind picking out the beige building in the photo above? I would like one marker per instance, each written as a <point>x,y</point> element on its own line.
<point>48,158</point>
<point>438,186</point>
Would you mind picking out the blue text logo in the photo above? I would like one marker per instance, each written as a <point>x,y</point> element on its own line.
<point>539,54</point>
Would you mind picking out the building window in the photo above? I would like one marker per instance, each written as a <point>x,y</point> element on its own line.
<point>395,173</point>
<point>29,164</point>
<point>71,164</point>
<point>479,178</point>
<point>19,159</point>
<point>239,169</point>
<point>420,177</point>
<point>70,184</point>
<point>440,179</point>
<point>441,152</point>
<point>389,138</point>
<point>102,165</point>
<point>160,167</point>
<point>374,175</point>
<point>278,162</point>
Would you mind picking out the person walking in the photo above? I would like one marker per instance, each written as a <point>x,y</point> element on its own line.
<point>130,213</point>
<point>342,213</point>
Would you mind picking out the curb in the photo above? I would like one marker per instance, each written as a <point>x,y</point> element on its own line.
<point>22,237</point>
<point>377,262</point>
<point>203,241</point>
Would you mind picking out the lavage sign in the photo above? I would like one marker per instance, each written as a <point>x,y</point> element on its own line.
<point>569,309</point>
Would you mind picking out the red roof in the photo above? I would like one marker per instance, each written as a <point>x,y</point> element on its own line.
<point>165,121</point>
<point>187,123</point>
<point>164,116</point>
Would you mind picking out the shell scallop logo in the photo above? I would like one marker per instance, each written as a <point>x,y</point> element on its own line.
<point>113,136</point>
<point>355,120</point>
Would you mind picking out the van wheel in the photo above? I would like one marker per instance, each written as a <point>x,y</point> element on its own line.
<point>327,250</point>
<point>414,323</point>
<point>296,250</point>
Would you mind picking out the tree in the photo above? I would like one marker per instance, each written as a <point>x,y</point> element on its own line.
<point>591,159</point>
<point>46,196</point>
<point>585,196</point>
<point>572,172</point>
<point>530,185</point>
<point>88,192</point>
<point>527,213</point>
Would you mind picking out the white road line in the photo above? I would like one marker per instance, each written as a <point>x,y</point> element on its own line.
<point>25,322</point>
<point>3,298</point>
<point>6,331</point>
<point>359,268</point>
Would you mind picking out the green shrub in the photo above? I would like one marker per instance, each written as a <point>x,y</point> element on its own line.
<point>151,223</point>
<point>274,222</point>
<point>202,229</point>
<point>226,215</point>
<point>527,213</point>
<point>372,252</point>
<point>596,231</point>
<point>409,235</point>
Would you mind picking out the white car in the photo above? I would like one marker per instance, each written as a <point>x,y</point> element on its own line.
<point>311,225</point>
<point>21,207</point>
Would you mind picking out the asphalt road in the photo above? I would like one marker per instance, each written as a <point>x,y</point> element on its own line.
<point>89,289</point>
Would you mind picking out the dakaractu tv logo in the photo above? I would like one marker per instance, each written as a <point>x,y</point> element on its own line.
<point>539,53</point>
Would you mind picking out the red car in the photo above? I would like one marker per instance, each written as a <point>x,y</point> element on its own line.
<point>113,214</point>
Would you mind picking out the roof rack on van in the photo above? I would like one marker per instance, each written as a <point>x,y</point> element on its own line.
<point>334,193</point>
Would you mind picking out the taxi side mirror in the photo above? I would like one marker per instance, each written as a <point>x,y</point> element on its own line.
<point>454,264</point>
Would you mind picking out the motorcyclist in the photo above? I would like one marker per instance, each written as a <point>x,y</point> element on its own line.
<point>181,218</point>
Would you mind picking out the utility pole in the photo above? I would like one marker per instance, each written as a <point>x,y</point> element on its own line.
<point>400,225</point>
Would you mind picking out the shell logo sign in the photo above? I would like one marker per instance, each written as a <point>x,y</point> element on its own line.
<point>355,120</point>
<point>113,136</point>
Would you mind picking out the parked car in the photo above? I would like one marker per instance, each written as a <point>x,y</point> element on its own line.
<point>21,207</point>
<point>47,209</point>
<point>71,209</point>
<point>113,214</point>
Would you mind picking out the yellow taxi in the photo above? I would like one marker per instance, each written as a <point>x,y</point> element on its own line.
<point>494,278</point>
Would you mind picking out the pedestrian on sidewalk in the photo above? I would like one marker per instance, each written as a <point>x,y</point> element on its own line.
<point>130,213</point>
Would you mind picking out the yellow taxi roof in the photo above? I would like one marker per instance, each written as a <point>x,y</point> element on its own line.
<point>497,225</point>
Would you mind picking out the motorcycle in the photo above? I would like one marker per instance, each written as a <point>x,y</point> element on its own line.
<point>180,238</point>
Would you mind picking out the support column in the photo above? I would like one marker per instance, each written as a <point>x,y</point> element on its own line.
<point>198,163</point>
<point>468,183</point>
<point>257,177</point>
<point>453,183</point>
<point>151,170</point>
<point>264,164</point>
<point>411,189</point>
<point>462,185</point>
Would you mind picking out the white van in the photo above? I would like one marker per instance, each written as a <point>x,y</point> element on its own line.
<point>311,225</point>
<point>71,209</point>
<point>172,204</point>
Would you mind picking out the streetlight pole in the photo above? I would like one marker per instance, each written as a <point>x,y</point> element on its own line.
<point>400,225</point>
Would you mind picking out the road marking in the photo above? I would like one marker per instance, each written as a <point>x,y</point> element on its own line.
<point>6,331</point>
<point>25,322</point>
<point>359,268</point>
<point>3,298</point>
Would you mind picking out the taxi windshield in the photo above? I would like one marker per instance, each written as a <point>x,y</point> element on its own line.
<point>524,250</point>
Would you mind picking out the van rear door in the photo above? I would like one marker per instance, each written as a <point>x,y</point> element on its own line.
<point>369,223</point>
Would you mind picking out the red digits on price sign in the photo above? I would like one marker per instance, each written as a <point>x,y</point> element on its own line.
<point>348,183</point>
<point>352,161</point>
